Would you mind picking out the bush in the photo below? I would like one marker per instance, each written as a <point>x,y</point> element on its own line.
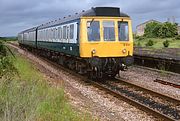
<point>139,44</point>
<point>162,30</point>
<point>7,69</point>
<point>141,38</point>
<point>150,43</point>
<point>166,43</point>
<point>136,37</point>
<point>151,29</point>
<point>177,37</point>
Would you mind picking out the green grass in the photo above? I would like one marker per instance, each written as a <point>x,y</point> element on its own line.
<point>8,38</point>
<point>158,42</point>
<point>27,97</point>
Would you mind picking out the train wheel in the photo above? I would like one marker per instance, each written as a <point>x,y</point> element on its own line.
<point>95,74</point>
<point>92,75</point>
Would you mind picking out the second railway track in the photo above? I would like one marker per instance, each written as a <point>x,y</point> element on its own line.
<point>128,93</point>
<point>147,100</point>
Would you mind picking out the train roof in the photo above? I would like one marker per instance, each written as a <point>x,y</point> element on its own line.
<point>29,30</point>
<point>104,11</point>
<point>97,11</point>
<point>94,11</point>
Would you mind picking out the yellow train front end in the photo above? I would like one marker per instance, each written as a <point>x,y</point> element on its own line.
<point>106,37</point>
<point>106,41</point>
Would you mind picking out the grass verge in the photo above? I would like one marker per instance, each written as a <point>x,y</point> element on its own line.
<point>158,42</point>
<point>27,97</point>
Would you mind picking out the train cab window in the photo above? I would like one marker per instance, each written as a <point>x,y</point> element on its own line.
<point>93,30</point>
<point>71,31</point>
<point>123,31</point>
<point>109,31</point>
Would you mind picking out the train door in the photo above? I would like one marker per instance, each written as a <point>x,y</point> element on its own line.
<point>73,33</point>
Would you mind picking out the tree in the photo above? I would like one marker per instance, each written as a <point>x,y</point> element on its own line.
<point>151,29</point>
<point>167,30</point>
<point>155,29</point>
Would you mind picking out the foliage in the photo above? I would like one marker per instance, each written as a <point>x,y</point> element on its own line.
<point>8,38</point>
<point>141,38</point>
<point>3,50</point>
<point>177,37</point>
<point>149,43</point>
<point>167,30</point>
<point>151,29</point>
<point>162,30</point>
<point>139,44</point>
<point>166,43</point>
<point>7,69</point>
<point>27,97</point>
<point>158,42</point>
<point>136,37</point>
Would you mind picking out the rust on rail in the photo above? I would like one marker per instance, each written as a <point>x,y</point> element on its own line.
<point>167,83</point>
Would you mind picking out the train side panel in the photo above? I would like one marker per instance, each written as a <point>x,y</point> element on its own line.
<point>62,38</point>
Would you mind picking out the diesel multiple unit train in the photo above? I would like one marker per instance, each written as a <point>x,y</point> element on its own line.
<point>97,42</point>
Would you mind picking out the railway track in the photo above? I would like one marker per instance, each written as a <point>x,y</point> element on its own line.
<point>130,94</point>
<point>156,70</point>
<point>161,103</point>
<point>176,85</point>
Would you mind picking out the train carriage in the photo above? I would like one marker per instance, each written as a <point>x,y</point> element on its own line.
<point>28,37</point>
<point>61,37</point>
<point>97,42</point>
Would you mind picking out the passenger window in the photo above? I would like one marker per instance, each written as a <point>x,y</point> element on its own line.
<point>67,36</point>
<point>109,31</point>
<point>123,31</point>
<point>64,32</point>
<point>59,33</point>
<point>47,34</point>
<point>54,33</point>
<point>71,31</point>
<point>93,30</point>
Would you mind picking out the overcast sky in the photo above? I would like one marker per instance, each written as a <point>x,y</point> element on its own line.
<point>17,15</point>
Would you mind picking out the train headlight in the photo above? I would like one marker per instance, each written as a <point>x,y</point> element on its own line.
<point>124,51</point>
<point>93,51</point>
